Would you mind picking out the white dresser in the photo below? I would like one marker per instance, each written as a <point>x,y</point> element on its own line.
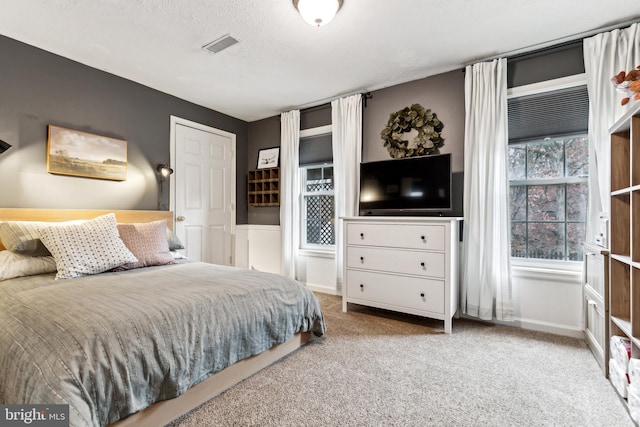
<point>405,264</point>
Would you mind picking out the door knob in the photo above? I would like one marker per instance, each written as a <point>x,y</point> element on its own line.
<point>180,218</point>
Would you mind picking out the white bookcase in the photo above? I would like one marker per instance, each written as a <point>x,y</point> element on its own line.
<point>405,264</point>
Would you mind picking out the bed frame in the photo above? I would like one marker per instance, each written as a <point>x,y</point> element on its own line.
<point>164,412</point>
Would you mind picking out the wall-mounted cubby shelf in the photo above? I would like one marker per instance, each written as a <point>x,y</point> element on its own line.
<point>263,187</point>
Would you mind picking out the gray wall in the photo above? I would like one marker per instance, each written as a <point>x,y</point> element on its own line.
<point>266,134</point>
<point>38,88</point>
<point>443,94</point>
<point>546,64</point>
<point>262,134</point>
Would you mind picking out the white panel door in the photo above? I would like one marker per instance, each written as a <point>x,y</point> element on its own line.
<point>204,191</point>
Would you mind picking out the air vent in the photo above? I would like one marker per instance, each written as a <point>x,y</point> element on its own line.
<point>221,44</point>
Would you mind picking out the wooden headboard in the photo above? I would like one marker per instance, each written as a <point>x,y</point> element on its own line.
<point>124,216</point>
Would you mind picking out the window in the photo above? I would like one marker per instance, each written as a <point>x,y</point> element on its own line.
<point>317,207</point>
<point>548,197</point>
<point>548,170</point>
<point>316,189</point>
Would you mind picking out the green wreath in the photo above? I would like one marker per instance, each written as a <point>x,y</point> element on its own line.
<point>415,117</point>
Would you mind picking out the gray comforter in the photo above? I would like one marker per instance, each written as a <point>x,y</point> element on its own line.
<point>111,344</point>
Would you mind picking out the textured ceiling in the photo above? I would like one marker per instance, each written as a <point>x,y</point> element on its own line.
<point>282,62</point>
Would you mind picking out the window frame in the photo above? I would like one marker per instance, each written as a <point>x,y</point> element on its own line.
<point>303,208</point>
<point>538,88</point>
<point>303,246</point>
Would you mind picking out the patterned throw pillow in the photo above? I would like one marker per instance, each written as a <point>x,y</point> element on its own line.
<point>87,248</point>
<point>16,265</point>
<point>148,242</point>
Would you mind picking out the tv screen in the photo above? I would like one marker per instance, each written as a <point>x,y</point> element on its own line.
<point>414,185</point>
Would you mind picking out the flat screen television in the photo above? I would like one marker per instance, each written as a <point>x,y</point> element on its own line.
<point>409,186</point>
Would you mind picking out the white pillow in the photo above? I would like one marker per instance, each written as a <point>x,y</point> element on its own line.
<point>16,265</point>
<point>88,248</point>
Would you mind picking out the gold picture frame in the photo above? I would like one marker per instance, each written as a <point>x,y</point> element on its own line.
<point>76,153</point>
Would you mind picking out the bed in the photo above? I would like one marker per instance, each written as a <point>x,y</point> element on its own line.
<point>140,345</point>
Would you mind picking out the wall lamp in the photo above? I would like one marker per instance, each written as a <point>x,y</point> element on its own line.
<point>4,146</point>
<point>164,170</point>
<point>317,12</point>
<point>163,173</point>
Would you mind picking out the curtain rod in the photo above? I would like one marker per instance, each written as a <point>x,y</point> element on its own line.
<point>321,103</point>
<point>559,41</point>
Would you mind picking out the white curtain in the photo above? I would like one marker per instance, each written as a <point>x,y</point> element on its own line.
<point>346,120</point>
<point>486,280</point>
<point>289,189</point>
<point>605,55</point>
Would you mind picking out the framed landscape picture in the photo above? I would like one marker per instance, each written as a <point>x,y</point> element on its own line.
<point>269,158</point>
<point>77,153</point>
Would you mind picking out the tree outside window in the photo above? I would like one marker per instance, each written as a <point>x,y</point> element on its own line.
<point>548,197</point>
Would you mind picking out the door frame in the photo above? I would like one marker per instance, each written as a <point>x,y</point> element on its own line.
<point>172,160</point>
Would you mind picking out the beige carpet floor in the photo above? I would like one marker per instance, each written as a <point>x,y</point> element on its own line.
<point>376,368</point>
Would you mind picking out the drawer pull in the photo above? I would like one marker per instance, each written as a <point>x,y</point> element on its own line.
<point>361,259</point>
<point>422,294</point>
<point>423,238</point>
<point>422,264</point>
<point>362,235</point>
<point>361,286</point>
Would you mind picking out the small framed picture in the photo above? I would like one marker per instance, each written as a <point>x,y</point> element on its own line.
<point>269,158</point>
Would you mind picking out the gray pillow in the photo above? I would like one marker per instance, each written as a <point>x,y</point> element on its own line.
<point>23,237</point>
<point>174,241</point>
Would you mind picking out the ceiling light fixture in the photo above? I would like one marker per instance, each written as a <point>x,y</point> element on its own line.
<point>317,12</point>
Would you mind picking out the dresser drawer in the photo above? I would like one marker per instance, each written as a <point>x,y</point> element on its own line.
<point>410,292</point>
<point>398,261</point>
<point>397,235</point>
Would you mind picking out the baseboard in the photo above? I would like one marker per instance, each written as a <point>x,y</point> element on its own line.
<point>324,289</point>
<point>551,328</point>
<point>536,325</point>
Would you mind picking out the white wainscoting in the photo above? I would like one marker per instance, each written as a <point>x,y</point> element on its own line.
<point>548,299</point>
<point>260,247</point>
<point>318,270</point>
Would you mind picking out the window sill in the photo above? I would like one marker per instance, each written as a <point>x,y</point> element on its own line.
<point>552,271</point>
<point>318,253</point>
